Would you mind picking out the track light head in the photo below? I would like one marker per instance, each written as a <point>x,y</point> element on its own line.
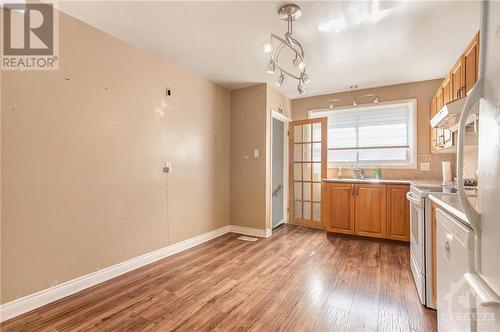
<point>280,80</point>
<point>300,88</point>
<point>271,67</point>
<point>305,78</point>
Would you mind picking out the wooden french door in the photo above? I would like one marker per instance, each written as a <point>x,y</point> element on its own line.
<point>307,160</point>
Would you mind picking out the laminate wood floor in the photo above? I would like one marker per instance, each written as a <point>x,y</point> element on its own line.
<point>297,280</point>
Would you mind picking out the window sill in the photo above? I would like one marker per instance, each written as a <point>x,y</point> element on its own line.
<point>395,166</point>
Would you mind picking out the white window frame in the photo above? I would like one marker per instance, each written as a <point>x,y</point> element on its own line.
<point>412,137</point>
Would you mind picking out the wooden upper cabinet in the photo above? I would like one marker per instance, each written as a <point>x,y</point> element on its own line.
<point>398,213</point>
<point>447,92</point>
<point>370,210</point>
<point>471,63</point>
<point>457,84</point>
<point>457,80</point>
<point>339,207</point>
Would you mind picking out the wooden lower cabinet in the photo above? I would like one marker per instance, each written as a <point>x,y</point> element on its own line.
<point>339,208</point>
<point>398,212</point>
<point>375,210</point>
<point>370,210</point>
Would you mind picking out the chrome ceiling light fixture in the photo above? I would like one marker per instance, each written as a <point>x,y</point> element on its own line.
<point>289,46</point>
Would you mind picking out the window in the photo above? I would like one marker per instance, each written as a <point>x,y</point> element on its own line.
<point>374,135</point>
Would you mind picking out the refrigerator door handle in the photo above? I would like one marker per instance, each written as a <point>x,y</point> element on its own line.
<point>474,96</point>
<point>485,295</point>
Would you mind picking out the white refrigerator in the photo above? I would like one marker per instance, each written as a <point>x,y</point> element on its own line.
<point>483,276</point>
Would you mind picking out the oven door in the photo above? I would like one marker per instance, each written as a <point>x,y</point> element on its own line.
<point>417,244</point>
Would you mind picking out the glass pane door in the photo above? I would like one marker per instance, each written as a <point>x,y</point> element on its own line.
<point>308,150</point>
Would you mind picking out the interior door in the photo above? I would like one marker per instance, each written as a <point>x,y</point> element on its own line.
<point>277,172</point>
<point>307,156</point>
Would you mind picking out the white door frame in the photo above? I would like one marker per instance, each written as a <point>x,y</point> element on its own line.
<point>280,117</point>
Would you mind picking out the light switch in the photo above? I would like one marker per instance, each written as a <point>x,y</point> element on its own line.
<point>425,166</point>
<point>256,153</point>
<point>168,167</point>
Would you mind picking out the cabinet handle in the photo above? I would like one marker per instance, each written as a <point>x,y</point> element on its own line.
<point>353,189</point>
<point>462,91</point>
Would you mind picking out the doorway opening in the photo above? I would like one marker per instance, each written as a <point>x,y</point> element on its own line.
<point>279,170</point>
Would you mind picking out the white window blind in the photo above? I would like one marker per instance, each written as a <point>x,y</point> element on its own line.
<point>373,135</point>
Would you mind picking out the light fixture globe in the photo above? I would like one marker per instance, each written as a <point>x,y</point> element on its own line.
<point>299,63</point>
<point>267,47</point>
<point>286,53</point>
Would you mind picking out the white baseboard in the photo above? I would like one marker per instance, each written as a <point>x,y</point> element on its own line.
<point>46,296</point>
<point>265,233</point>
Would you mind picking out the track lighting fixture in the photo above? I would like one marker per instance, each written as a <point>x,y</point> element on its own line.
<point>354,100</point>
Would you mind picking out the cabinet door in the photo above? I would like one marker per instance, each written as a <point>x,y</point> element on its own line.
<point>447,90</point>
<point>370,210</point>
<point>439,99</point>
<point>457,80</point>
<point>398,213</point>
<point>433,109</point>
<point>339,207</point>
<point>471,57</point>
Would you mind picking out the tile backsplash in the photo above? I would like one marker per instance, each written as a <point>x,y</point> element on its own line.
<point>435,172</point>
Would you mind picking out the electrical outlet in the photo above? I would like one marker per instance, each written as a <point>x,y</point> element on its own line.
<point>425,166</point>
<point>256,153</point>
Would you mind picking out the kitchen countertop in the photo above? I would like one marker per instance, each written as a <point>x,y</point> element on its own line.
<point>386,181</point>
<point>452,205</point>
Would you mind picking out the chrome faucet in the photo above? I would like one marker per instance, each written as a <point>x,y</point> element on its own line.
<point>358,172</point>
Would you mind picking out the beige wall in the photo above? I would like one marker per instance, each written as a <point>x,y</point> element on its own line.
<point>251,122</point>
<point>276,101</point>
<point>248,174</point>
<point>422,91</point>
<point>82,155</point>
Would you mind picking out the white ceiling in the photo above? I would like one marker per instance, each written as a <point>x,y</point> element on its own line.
<point>365,43</point>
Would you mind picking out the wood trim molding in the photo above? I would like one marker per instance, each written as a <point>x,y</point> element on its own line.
<point>280,116</point>
<point>264,233</point>
<point>32,301</point>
